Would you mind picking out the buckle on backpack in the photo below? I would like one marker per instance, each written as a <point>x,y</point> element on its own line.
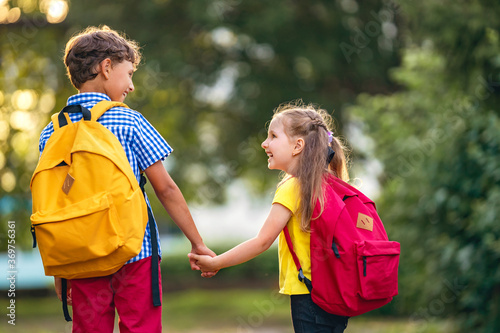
<point>301,275</point>
<point>305,280</point>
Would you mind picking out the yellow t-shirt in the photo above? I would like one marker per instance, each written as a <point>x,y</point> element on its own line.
<point>287,195</point>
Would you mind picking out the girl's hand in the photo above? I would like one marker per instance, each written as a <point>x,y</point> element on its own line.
<point>202,250</point>
<point>204,262</point>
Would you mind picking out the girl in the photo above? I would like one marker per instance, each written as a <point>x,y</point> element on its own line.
<point>299,143</point>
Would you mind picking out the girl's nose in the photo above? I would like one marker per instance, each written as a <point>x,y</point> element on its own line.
<point>264,144</point>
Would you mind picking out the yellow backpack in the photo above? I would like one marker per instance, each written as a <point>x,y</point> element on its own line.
<point>89,212</point>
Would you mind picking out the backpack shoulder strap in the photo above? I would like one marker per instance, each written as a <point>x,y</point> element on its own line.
<point>62,118</point>
<point>97,111</point>
<point>103,106</point>
<point>301,276</point>
<point>55,121</point>
<point>290,247</point>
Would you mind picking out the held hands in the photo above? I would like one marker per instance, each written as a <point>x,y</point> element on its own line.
<point>198,252</point>
<point>205,263</point>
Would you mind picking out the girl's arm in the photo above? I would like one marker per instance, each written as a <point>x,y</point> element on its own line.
<point>172,199</point>
<point>276,220</point>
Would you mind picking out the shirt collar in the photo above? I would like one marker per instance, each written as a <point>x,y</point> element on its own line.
<point>87,98</point>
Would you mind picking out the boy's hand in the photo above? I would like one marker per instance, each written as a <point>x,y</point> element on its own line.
<point>58,285</point>
<point>204,262</point>
<point>203,250</point>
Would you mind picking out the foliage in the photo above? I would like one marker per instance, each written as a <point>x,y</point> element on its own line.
<point>439,142</point>
<point>212,73</point>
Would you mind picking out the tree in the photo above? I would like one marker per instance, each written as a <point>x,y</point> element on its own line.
<point>439,142</point>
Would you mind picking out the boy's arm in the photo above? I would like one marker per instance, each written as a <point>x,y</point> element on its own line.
<point>276,220</point>
<point>172,199</point>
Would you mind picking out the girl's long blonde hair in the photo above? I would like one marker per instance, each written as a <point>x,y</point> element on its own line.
<point>313,125</point>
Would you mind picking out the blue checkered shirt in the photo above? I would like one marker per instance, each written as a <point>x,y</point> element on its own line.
<point>142,143</point>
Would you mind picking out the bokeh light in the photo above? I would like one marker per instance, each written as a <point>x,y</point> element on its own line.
<point>8,181</point>
<point>47,101</point>
<point>55,10</point>
<point>22,121</point>
<point>4,130</point>
<point>21,142</point>
<point>24,99</point>
<point>27,6</point>
<point>4,11</point>
<point>13,15</point>
<point>2,160</point>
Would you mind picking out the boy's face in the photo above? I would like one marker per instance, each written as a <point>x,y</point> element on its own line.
<point>119,82</point>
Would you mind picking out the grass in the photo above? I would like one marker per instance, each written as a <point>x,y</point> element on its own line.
<point>210,311</point>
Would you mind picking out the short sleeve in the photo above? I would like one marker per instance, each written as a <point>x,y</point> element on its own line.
<point>288,195</point>
<point>44,137</point>
<point>149,146</point>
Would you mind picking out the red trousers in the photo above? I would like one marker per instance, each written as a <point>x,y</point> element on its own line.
<point>128,290</point>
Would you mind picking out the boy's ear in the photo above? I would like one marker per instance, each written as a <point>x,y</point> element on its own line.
<point>105,67</point>
<point>299,146</point>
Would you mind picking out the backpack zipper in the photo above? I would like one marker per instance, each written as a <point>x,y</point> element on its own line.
<point>364,265</point>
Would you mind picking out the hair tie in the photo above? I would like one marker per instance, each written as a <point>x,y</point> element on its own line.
<point>330,137</point>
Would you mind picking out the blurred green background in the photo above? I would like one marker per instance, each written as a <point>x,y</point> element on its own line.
<point>414,87</point>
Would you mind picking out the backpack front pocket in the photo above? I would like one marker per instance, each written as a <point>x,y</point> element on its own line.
<point>377,263</point>
<point>82,231</point>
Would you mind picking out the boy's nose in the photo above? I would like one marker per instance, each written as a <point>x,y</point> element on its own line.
<point>131,88</point>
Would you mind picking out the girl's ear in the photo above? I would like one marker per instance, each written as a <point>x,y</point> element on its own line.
<point>299,146</point>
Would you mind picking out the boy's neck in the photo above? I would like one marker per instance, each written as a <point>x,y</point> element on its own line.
<point>92,86</point>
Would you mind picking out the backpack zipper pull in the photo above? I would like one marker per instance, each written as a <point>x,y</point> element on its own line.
<point>33,235</point>
<point>335,249</point>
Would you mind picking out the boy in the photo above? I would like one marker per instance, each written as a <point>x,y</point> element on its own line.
<point>100,64</point>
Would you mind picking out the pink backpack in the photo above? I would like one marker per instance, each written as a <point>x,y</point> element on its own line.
<point>354,267</point>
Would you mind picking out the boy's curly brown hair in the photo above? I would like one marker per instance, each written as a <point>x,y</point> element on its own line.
<point>85,51</point>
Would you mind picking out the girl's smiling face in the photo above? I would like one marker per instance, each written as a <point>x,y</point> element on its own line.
<point>280,149</point>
